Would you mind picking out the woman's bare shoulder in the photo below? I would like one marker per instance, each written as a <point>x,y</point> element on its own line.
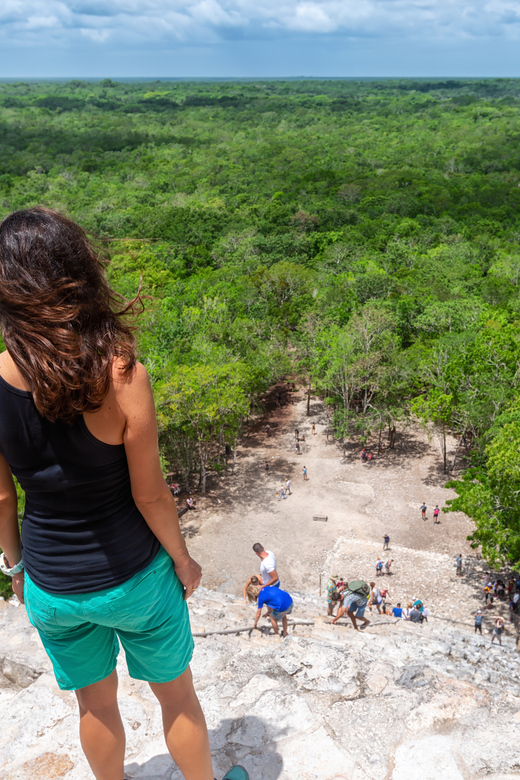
<point>130,387</point>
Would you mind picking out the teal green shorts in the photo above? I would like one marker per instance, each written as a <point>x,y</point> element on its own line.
<point>147,614</point>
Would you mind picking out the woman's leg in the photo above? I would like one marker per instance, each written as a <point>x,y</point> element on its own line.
<point>185,728</point>
<point>101,728</point>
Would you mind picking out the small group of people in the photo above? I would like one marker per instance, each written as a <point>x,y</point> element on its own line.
<point>299,437</point>
<point>384,567</point>
<point>498,589</point>
<point>498,626</point>
<point>366,457</point>
<point>352,599</point>
<point>415,611</point>
<point>265,591</point>
<point>436,513</point>
<point>284,490</point>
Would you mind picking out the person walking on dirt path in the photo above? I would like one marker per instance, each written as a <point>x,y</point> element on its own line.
<point>297,447</point>
<point>354,603</point>
<point>288,487</point>
<point>436,514</point>
<point>478,621</point>
<point>314,429</point>
<point>498,630</point>
<point>304,472</point>
<point>386,542</point>
<point>267,430</point>
<point>279,603</point>
<point>282,491</point>
<point>267,566</point>
<point>379,567</point>
<point>388,566</point>
<point>266,468</point>
<point>296,434</point>
<point>423,510</point>
<point>459,565</point>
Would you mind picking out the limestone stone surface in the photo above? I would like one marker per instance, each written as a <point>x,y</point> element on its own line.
<point>394,702</point>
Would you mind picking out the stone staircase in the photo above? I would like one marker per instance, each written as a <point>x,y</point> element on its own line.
<point>396,701</point>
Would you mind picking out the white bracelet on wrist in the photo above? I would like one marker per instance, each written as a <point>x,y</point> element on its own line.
<point>9,571</point>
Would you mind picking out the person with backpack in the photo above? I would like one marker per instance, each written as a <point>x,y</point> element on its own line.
<point>436,514</point>
<point>423,510</point>
<point>354,603</point>
<point>379,567</point>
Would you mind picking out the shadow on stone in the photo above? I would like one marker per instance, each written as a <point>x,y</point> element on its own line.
<point>249,741</point>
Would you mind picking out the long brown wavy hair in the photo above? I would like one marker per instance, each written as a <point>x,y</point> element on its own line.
<point>61,322</point>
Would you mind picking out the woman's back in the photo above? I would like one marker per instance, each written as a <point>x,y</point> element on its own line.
<point>82,530</point>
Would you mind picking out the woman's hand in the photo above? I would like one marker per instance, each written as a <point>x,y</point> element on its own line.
<point>18,580</point>
<point>190,574</point>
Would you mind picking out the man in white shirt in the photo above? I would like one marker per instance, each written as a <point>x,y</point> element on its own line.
<point>267,566</point>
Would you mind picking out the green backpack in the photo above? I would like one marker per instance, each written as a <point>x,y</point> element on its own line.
<point>358,586</point>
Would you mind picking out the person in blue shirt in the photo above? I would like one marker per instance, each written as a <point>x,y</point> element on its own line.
<point>397,611</point>
<point>281,604</point>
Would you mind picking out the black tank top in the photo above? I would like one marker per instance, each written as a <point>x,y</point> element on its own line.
<point>81,529</point>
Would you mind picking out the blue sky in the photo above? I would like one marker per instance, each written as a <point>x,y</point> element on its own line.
<point>233,38</point>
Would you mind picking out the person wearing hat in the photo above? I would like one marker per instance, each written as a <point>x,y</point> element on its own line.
<point>332,588</point>
<point>354,603</point>
<point>478,621</point>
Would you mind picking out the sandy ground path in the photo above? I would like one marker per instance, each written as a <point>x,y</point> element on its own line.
<point>362,502</point>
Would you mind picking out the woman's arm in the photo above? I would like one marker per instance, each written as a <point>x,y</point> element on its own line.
<point>9,531</point>
<point>149,489</point>
<point>246,586</point>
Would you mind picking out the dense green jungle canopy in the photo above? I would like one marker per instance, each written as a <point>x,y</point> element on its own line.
<point>365,234</point>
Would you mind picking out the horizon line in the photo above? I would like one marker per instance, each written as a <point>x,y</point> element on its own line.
<point>254,78</point>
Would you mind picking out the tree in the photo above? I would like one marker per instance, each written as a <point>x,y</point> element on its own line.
<point>436,408</point>
<point>197,407</point>
<point>490,495</point>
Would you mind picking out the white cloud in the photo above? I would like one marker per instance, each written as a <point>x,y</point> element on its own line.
<point>207,20</point>
<point>98,36</point>
<point>311,17</point>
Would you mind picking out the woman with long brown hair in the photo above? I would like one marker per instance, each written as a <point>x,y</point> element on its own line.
<point>101,560</point>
